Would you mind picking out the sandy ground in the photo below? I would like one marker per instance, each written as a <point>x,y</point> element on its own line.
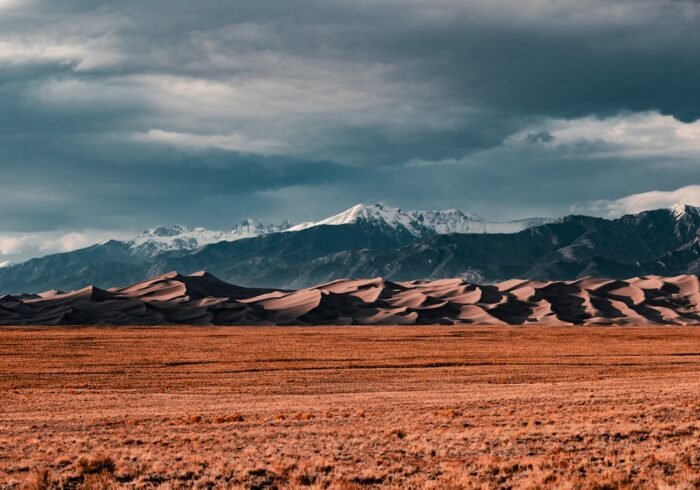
<point>350,407</point>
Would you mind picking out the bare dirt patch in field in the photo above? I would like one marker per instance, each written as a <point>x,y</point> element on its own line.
<point>350,407</point>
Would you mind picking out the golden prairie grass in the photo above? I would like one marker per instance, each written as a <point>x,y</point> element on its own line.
<point>350,408</point>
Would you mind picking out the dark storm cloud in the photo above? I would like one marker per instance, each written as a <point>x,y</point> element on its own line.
<point>63,185</point>
<point>121,114</point>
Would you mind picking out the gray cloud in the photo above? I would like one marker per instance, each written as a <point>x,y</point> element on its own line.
<point>127,114</point>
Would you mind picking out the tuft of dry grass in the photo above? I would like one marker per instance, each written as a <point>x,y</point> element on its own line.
<point>99,464</point>
<point>304,416</point>
<point>350,408</point>
<point>234,417</point>
<point>39,479</point>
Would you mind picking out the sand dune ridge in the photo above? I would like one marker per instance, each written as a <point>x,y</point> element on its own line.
<point>201,299</point>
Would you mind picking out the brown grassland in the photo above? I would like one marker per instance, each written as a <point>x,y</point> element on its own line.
<point>350,407</point>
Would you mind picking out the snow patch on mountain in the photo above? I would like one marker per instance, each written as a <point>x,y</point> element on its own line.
<point>422,223</point>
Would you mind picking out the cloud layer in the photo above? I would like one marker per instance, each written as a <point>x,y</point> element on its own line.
<point>121,115</point>
<point>644,201</point>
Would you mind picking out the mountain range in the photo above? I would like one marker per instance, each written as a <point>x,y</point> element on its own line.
<point>376,240</point>
<point>422,224</point>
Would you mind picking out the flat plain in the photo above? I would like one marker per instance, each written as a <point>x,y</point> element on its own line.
<point>350,407</point>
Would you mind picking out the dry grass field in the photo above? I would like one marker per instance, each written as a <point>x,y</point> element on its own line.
<point>351,407</point>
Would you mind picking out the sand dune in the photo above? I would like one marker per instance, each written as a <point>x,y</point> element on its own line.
<point>202,299</point>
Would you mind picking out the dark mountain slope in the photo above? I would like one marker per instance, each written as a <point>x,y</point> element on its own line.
<point>282,258</point>
<point>576,246</point>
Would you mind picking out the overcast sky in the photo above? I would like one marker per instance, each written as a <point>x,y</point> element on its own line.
<point>120,115</point>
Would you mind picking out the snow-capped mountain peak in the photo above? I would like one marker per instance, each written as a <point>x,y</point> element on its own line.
<point>422,223</point>
<point>680,209</point>
<point>177,237</point>
<point>165,231</point>
<point>358,213</point>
